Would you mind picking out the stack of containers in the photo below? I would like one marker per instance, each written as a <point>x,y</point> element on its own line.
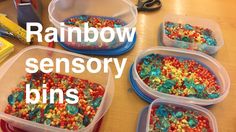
<point>60,10</point>
<point>14,69</point>
<point>155,97</point>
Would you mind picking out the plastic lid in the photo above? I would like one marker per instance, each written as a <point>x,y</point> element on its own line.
<point>136,88</point>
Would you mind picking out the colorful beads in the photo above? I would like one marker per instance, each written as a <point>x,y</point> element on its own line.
<point>63,115</point>
<point>178,76</point>
<point>169,118</point>
<point>189,33</point>
<point>95,21</point>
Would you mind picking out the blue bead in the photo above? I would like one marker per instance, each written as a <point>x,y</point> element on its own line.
<point>72,109</point>
<point>188,27</point>
<point>97,102</point>
<point>161,111</point>
<point>168,84</point>
<point>48,107</point>
<point>211,42</point>
<point>165,125</point>
<point>179,114</point>
<point>20,96</point>
<point>86,121</point>
<point>117,26</point>
<point>170,25</point>
<point>47,122</point>
<point>213,95</point>
<point>34,113</point>
<point>11,99</point>
<point>199,88</point>
<point>192,123</point>
<point>156,72</point>
<point>167,32</point>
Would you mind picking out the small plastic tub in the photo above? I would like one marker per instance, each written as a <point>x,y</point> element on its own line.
<point>193,21</point>
<point>208,62</point>
<point>145,115</point>
<point>14,69</point>
<point>124,10</point>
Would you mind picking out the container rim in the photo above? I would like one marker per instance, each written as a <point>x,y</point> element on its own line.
<point>56,23</point>
<point>218,46</point>
<point>5,67</point>
<point>157,94</point>
<point>211,117</point>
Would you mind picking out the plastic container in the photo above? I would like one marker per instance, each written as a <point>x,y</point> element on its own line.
<point>144,118</point>
<point>59,10</point>
<point>13,70</point>
<point>194,21</point>
<point>212,64</point>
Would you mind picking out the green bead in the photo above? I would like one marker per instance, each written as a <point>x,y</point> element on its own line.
<point>199,88</point>
<point>179,114</point>
<point>163,89</point>
<point>185,39</point>
<point>192,123</point>
<point>165,125</point>
<point>11,99</point>
<point>48,107</point>
<point>96,103</point>
<point>192,91</point>
<point>169,84</point>
<point>72,109</point>
<point>86,121</point>
<point>213,95</point>
<point>34,113</point>
<point>47,122</point>
<point>20,96</point>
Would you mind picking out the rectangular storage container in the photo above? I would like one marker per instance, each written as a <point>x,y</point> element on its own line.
<point>144,117</point>
<point>194,21</point>
<point>209,62</point>
<point>14,69</point>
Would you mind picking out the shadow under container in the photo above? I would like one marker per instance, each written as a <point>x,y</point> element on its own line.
<point>13,70</point>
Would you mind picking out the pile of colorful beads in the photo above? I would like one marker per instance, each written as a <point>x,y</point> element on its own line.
<point>63,115</point>
<point>95,21</point>
<point>178,76</point>
<point>169,118</point>
<point>190,33</point>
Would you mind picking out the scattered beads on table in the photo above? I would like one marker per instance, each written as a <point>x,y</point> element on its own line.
<point>190,33</point>
<point>63,115</point>
<point>170,118</point>
<point>95,21</point>
<point>178,76</point>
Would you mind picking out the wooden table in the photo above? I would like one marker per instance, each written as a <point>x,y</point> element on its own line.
<point>124,111</point>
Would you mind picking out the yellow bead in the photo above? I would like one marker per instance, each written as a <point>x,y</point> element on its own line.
<point>49,115</point>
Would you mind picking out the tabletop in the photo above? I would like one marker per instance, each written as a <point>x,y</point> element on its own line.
<point>126,106</point>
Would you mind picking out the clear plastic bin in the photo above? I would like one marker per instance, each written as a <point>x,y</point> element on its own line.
<point>59,10</point>
<point>195,21</point>
<point>14,69</point>
<point>147,112</point>
<point>212,64</point>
